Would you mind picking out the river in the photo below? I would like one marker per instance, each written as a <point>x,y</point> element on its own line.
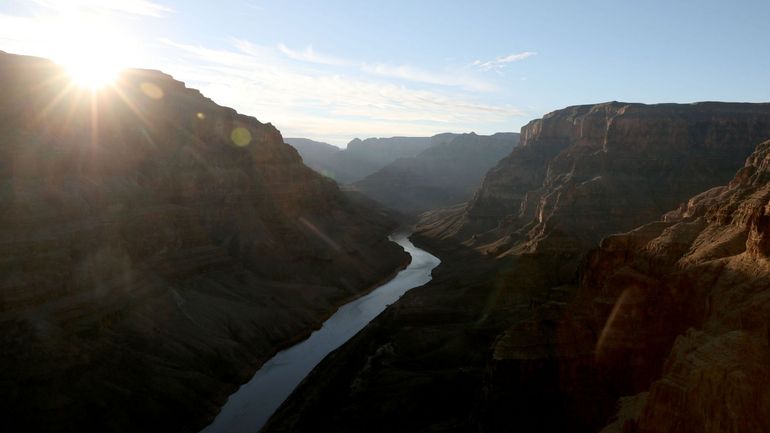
<point>249,408</point>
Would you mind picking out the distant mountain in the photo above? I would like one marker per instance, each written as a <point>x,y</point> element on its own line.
<point>361,157</point>
<point>311,149</point>
<point>317,155</point>
<point>444,174</point>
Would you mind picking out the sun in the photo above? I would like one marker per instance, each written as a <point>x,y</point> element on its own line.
<point>92,52</point>
<point>89,69</point>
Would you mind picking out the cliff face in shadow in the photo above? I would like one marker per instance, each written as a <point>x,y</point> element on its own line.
<point>502,340</point>
<point>444,174</point>
<point>361,157</point>
<point>155,249</point>
<point>680,309</point>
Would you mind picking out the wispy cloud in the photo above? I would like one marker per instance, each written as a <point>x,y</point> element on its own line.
<point>333,106</point>
<point>305,92</point>
<point>399,72</point>
<point>133,7</point>
<point>502,61</point>
<point>411,73</point>
<point>254,6</point>
<point>308,54</point>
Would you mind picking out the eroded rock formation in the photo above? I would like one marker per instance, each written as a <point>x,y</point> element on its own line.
<point>502,339</point>
<point>155,248</point>
<point>587,171</point>
<point>690,297</point>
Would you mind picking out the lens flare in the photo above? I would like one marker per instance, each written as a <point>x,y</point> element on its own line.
<point>152,91</point>
<point>241,136</point>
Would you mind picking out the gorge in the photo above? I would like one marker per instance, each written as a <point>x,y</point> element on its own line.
<point>605,270</point>
<point>250,407</point>
<point>502,338</point>
<point>156,248</point>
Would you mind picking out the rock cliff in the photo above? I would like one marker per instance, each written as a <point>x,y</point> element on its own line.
<point>155,249</point>
<point>502,339</point>
<point>690,301</point>
<point>447,173</point>
<point>587,171</point>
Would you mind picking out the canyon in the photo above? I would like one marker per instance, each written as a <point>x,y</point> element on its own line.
<point>251,406</point>
<point>410,175</point>
<point>155,249</point>
<point>608,274</point>
<point>359,217</point>
<point>527,326</point>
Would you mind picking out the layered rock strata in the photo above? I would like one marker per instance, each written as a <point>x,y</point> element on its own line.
<point>502,339</point>
<point>587,171</point>
<point>155,249</point>
<point>690,297</point>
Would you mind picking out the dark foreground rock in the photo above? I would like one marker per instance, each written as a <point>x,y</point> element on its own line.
<point>690,297</point>
<point>155,249</point>
<point>502,339</point>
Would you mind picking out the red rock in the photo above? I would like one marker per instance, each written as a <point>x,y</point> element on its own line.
<point>706,336</point>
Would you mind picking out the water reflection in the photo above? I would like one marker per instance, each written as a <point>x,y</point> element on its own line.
<point>250,407</point>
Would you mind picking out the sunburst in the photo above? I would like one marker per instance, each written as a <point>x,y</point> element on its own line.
<point>92,52</point>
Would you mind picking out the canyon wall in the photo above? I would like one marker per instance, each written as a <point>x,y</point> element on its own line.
<point>155,249</point>
<point>583,172</point>
<point>511,335</point>
<point>690,298</point>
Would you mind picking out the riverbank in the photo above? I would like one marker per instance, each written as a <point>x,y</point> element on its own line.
<point>423,358</point>
<point>255,401</point>
<point>219,397</point>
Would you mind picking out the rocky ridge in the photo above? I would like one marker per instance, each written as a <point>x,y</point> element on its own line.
<point>586,171</point>
<point>444,174</point>
<point>690,298</point>
<point>155,249</point>
<point>361,157</point>
<point>502,337</point>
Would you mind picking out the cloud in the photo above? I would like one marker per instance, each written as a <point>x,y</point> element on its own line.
<point>303,92</point>
<point>311,56</point>
<point>131,7</point>
<point>254,6</point>
<point>331,106</point>
<point>400,72</point>
<point>503,61</point>
<point>27,35</point>
<point>410,73</point>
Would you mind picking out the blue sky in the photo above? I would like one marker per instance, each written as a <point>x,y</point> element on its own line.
<point>335,70</point>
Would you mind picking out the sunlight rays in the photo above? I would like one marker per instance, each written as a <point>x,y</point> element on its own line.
<point>92,56</point>
<point>90,47</point>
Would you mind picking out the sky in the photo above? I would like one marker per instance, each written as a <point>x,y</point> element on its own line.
<point>335,70</point>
